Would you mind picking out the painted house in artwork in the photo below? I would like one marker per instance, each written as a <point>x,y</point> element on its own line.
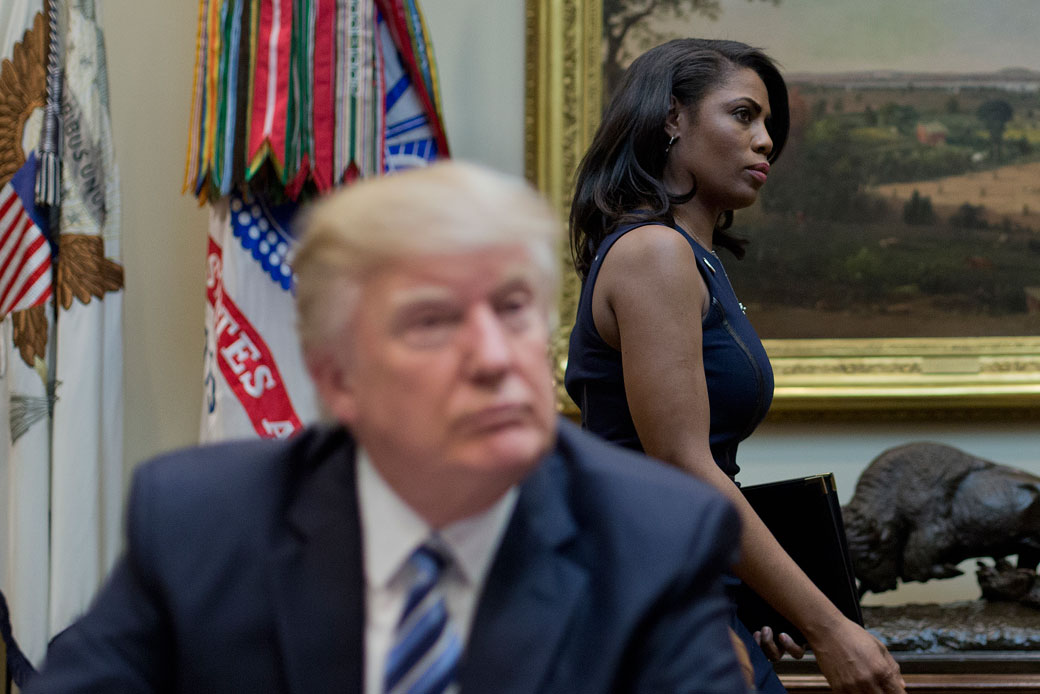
<point>932,134</point>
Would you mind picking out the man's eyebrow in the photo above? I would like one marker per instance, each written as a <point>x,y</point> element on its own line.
<point>520,281</point>
<point>421,298</point>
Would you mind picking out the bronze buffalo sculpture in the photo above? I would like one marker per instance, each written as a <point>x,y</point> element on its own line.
<point>922,508</point>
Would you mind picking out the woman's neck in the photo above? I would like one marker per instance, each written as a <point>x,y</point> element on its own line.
<point>697,221</point>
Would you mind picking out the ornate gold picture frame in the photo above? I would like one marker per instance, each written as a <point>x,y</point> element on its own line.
<point>974,377</point>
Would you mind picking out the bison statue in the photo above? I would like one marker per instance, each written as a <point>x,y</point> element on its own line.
<point>922,508</point>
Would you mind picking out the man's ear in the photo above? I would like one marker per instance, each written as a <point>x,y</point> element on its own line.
<point>333,384</point>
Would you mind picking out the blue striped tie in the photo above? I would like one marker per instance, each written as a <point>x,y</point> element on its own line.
<point>426,650</point>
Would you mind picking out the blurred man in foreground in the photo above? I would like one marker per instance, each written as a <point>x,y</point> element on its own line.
<point>445,531</point>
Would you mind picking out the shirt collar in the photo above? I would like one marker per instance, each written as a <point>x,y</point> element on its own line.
<point>391,530</point>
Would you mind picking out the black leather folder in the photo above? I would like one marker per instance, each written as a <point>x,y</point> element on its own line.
<point>805,517</point>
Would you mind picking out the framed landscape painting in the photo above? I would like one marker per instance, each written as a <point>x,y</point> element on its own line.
<point>894,257</point>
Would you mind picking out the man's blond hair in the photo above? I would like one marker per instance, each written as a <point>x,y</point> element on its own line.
<point>449,207</point>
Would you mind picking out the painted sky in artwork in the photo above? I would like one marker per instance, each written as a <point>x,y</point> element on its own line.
<point>918,35</point>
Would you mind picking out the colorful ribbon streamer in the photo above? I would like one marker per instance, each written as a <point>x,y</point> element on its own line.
<point>295,97</point>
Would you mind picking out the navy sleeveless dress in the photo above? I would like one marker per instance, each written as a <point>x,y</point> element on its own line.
<point>739,382</point>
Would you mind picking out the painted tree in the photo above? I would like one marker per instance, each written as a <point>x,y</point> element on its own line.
<point>624,17</point>
<point>918,210</point>
<point>995,115</point>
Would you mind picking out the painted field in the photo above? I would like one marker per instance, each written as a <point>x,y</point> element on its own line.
<point>1010,191</point>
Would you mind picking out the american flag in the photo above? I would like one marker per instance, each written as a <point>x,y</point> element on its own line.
<point>25,255</point>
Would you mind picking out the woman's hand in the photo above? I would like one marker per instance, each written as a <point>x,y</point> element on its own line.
<point>853,660</point>
<point>775,651</point>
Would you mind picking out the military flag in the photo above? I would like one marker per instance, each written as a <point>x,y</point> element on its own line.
<point>291,99</point>
<point>293,96</point>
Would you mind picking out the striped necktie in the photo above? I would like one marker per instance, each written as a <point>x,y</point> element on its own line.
<point>426,650</point>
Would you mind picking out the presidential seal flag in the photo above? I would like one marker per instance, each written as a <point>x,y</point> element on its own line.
<point>87,439</point>
<point>61,306</point>
<point>291,99</point>
<point>26,392</point>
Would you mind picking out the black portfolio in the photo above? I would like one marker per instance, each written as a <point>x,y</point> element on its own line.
<point>805,517</point>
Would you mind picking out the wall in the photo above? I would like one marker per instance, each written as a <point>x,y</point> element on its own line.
<point>151,53</point>
<point>479,50</point>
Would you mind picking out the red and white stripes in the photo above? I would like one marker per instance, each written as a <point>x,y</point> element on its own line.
<point>25,257</point>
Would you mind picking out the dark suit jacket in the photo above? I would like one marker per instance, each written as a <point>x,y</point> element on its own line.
<point>242,573</point>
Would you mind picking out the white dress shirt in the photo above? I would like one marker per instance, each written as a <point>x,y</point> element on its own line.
<point>390,532</point>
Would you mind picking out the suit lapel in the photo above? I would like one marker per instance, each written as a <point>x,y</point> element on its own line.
<point>531,592</point>
<point>316,575</point>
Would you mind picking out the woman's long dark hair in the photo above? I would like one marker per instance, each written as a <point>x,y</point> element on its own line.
<point>619,179</point>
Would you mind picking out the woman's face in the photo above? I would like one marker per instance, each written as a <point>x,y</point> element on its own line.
<point>723,144</point>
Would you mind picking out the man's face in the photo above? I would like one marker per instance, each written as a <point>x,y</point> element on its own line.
<point>444,370</point>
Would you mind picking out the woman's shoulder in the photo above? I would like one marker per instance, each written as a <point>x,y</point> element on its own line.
<point>654,250</point>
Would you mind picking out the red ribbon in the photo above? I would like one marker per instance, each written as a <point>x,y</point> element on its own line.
<point>246,362</point>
